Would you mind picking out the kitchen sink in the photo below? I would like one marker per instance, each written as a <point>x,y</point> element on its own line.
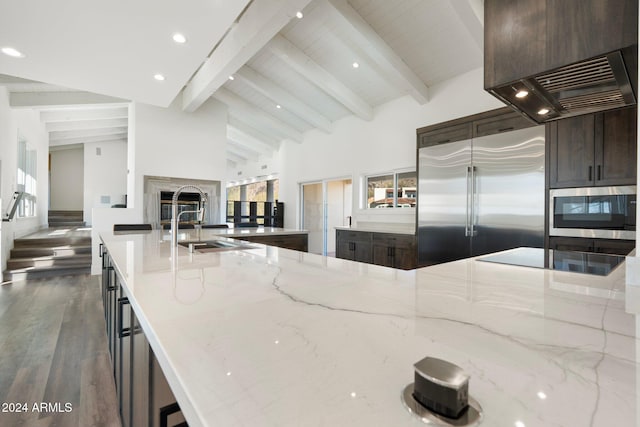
<point>214,245</point>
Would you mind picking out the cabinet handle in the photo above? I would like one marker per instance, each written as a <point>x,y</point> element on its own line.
<point>590,173</point>
<point>110,286</point>
<point>122,332</point>
<point>598,174</point>
<point>100,250</point>
<point>444,141</point>
<point>505,129</point>
<point>165,411</point>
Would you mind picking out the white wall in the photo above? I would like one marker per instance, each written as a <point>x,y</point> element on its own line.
<point>67,178</point>
<point>105,175</point>
<point>27,122</point>
<point>172,143</point>
<point>167,142</point>
<point>357,147</point>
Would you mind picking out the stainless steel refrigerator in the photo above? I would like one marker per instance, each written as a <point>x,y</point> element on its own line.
<point>481,195</point>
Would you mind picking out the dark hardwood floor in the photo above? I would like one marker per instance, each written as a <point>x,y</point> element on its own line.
<point>53,354</point>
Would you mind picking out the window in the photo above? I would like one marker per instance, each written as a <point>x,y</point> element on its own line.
<point>259,192</point>
<point>27,179</point>
<point>392,190</point>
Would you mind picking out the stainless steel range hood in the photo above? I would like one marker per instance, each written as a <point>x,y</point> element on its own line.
<point>596,84</point>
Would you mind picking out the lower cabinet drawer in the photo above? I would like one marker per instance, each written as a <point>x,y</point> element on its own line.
<point>603,246</point>
<point>296,242</point>
<point>386,249</point>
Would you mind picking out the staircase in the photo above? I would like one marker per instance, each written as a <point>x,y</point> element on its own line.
<point>66,219</point>
<point>48,256</point>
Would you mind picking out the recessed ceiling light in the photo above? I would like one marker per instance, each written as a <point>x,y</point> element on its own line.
<point>159,77</point>
<point>299,15</point>
<point>231,78</point>
<point>543,111</point>
<point>278,106</point>
<point>179,38</point>
<point>355,65</point>
<point>10,51</point>
<point>522,93</point>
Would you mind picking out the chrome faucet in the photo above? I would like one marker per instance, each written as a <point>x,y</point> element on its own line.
<point>174,210</point>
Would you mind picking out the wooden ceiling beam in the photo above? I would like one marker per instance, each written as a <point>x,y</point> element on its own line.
<point>242,151</point>
<point>248,141</point>
<point>256,115</point>
<point>282,97</point>
<point>89,139</point>
<point>37,100</point>
<point>373,46</point>
<point>83,133</point>
<point>469,13</point>
<point>264,135</point>
<point>70,114</point>
<point>258,24</point>
<point>85,124</point>
<point>305,66</point>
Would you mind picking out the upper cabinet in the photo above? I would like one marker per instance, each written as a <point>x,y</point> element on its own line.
<point>526,37</point>
<point>593,150</point>
<point>477,125</point>
<point>514,40</point>
<point>562,57</point>
<point>616,156</point>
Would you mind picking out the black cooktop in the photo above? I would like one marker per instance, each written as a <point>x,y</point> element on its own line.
<point>578,262</point>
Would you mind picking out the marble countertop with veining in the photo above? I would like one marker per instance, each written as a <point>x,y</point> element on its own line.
<point>274,337</point>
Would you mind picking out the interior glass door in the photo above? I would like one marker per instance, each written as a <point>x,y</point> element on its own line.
<point>313,215</point>
<point>338,211</point>
<point>325,206</point>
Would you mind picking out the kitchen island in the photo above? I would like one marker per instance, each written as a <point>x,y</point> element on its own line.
<point>274,337</point>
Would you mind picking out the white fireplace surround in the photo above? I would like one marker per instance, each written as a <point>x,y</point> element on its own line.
<point>154,185</point>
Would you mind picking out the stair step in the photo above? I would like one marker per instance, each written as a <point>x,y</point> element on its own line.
<point>51,242</point>
<point>36,273</point>
<point>66,213</point>
<point>33,252</point>
<point>52,252</point>
<point>49,261</point>
<point>67,224</point>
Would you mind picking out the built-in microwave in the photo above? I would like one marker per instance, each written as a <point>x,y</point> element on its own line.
<point>595,212</point>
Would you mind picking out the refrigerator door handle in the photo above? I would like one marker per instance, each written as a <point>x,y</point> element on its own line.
<point>474,201</point>
<point>467,214</point>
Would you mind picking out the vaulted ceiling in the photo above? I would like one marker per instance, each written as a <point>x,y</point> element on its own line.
<point>280,75</point>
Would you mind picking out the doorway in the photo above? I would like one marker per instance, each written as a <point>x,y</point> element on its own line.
<point>66,178</point>
<point>326,204</point>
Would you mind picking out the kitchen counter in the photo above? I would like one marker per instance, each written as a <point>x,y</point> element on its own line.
<point>226,232</point>
<point>274,337</point>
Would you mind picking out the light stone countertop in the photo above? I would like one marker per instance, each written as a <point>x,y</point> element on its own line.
<point>274,337</point>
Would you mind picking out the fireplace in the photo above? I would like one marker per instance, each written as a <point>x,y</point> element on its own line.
<point>187,202</point>
<point>158,192</point>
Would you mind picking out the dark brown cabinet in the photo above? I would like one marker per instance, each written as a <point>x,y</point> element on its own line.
<point>386,249</point>
<point>615,155</point>
<point>144,396</point>
<point>451,133</point>
<point>572,152</point>
<point>477,125</point>
<point>604,246</point>
<point>593,150</point>
<point>526,37</point>
<point>297,242</point>
<point>394,250</point>
<point>354,246</point>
